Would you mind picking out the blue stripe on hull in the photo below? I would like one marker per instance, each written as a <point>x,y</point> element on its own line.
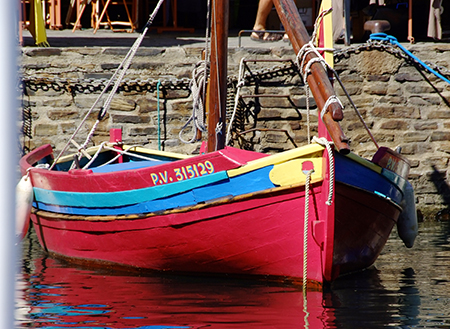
<point>123,198</point>
<point>247,183</point>
<point>354,174</point>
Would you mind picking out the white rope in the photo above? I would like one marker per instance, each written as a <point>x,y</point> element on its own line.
<point>118,76</point>
<point>324,142</point>
<point>305,230</point>
<point>332,99</point>
<point>197,86</point>
<point>218,131</point>
<point>240,84</point>
<point>94,157</point>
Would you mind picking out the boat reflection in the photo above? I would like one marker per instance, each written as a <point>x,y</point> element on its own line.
<point>53,294</point>
<point>56,295</point>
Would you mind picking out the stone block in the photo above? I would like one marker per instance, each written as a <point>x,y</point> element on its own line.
<point>122,104</point>
<point>43,129</point>
<point>426,125</point>
<point>44,52</point>
<point>376,89</point>
<point>392,100</point>
<point>415,137</point>
<point>440,136</point>
<point>267,114</point>
<point>123,118</point>
<point>439,114</point>
<point>143,131</point>
<point>275,137</point>
<point>394,125</point>
<point>396,112</point>
<point>420,88</point>
<point>58,102</point>
<point>381,78</point>
<point>63,114</point>
<point>147,104</point>
<point>408,77</point>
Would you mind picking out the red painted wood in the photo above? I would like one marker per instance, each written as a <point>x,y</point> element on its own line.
<point>363,224</point>
<point>258,236</point>
<point>86,181</point>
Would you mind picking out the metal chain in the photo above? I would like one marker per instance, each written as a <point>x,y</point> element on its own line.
<point>87,86</point>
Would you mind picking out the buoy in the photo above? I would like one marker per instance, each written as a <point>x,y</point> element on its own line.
<point>24,201</point>
<point>407,225</point>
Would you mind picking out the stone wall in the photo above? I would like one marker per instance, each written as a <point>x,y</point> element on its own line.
<point>402,104</point>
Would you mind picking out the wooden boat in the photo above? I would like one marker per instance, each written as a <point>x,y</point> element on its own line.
<point>311,213</point>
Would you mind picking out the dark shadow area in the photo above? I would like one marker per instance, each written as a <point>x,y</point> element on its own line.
<point>438,179</point>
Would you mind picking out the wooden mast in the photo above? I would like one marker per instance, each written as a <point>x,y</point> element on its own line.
<point>318,80</point>
<point>218,76</point>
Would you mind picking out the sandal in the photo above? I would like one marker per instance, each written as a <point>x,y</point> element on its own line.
<point>265,36</point>
<point>272,37</point>
<point>257,36</point>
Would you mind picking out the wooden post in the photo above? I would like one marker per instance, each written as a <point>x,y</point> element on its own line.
<point>218,76</point>
<point>318,80</point>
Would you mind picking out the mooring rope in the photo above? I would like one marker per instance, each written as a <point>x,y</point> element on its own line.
<point>305,231</point>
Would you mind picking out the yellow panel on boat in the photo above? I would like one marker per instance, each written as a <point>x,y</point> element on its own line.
<point>294,172</point>
<point>308,151</point>
<point>364,162</point>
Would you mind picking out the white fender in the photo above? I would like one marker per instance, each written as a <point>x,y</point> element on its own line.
<point>24,200</point>
<point>407,225</point>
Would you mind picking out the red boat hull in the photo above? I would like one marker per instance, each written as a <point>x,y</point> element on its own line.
<point>261,235</point>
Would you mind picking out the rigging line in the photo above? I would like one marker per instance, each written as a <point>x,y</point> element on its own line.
<point>158,113</point>
<point>120,71</point>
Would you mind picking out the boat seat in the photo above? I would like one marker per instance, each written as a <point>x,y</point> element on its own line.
<point>127,166</point>
<point>377,26</point>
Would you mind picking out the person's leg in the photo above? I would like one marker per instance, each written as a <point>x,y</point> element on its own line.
<point>264,8</point>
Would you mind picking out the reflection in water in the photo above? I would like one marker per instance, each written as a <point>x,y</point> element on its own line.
<point>407,288</point>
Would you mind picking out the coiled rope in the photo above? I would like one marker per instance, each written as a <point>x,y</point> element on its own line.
<point>197,86</point>
<point>240,84</point>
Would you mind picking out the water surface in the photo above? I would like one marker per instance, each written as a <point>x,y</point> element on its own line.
<point>407,288</point>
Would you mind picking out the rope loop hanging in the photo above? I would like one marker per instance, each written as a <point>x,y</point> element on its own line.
<point>198,89</point>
